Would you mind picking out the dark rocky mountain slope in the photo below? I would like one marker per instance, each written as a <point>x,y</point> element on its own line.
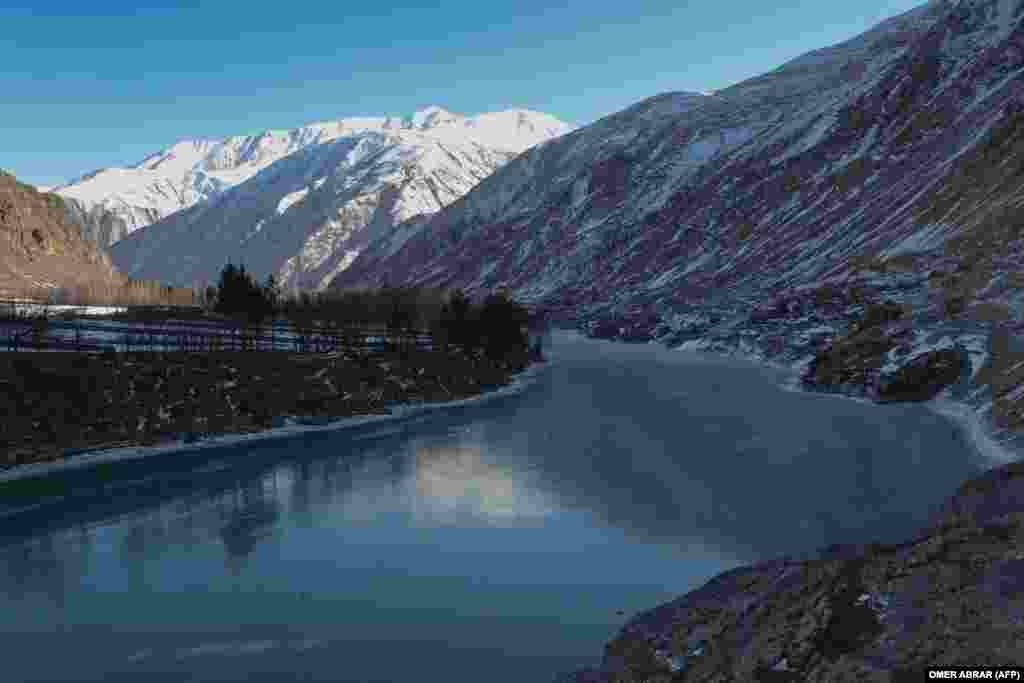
<point>772,217</point>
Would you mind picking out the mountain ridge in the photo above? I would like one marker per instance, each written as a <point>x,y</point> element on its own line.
<point>195,170</point>
<point>772,219</point>
<point>305,216</point>
<point>671,169</point>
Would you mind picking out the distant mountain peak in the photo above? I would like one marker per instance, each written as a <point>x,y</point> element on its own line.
<point>115,202</point>
<point>306,216</point>
<point>432,116</point>
<point>182,155</point>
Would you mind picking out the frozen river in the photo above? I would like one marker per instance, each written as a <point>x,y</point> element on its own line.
<point>503,541</point>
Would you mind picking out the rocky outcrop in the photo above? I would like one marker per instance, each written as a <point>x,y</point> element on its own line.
<point>859,362</point>
<point>97,222</point>
<point>636,328</point>
<point>952,596</point>
<point>853,363</point>
<point>40,248</point>
<point>924,376</point>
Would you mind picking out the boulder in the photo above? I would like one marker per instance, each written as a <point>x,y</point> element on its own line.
<point>924,376</point>
<point>852,360</point>
<point>604,329</point>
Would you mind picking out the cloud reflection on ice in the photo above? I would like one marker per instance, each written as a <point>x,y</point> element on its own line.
<point>451,483</point>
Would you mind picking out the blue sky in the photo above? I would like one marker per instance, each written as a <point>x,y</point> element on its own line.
<point>108,87</point>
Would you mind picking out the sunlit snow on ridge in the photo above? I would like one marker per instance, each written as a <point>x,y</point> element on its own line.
<point>191,171</point>
<point>291,198</point>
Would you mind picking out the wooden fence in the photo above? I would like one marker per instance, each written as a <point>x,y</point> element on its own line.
<point>195,336</point>
<point>190,329</point>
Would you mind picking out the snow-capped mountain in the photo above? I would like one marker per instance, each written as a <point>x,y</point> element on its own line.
<point>111,203</point>
<point>305,215</point>
<point>125,199</point>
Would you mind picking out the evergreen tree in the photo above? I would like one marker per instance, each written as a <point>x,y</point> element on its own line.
<point>238,294</point>
<point>400,314</point>
<point>210,297</point>
<point>458,321</point>
<point>502,326</point>
<point>272,294</point>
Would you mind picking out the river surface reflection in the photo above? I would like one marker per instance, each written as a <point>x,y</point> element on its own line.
<point>495,542</point>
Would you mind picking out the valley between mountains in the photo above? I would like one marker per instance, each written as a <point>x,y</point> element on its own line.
<point>774,217</point>
<point>856,214</point>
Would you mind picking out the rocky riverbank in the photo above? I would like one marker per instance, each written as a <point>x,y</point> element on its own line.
<point>952,596</point>
<point>58,405</point>
<point>885,336</point>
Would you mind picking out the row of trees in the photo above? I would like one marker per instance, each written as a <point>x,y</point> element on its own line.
<point>496,326</point>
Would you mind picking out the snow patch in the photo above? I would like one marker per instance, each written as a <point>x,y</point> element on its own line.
<point>290,199</point>
<point>927,238</point>
<point>665,278</point>
<point>980,435</point>
<point>811,139</point>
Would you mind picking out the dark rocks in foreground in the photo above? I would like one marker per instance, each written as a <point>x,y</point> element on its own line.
<point>954,596</point>
<point>925,376</point>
